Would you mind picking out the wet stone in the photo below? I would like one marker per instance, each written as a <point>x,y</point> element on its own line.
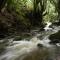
<point>39,45</point>
<point>55,38</point>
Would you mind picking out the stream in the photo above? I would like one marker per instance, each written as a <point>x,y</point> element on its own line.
<point>36,48</point>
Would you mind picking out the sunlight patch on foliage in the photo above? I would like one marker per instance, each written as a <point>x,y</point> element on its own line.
<point>29,4</point>
<point>51,12</point>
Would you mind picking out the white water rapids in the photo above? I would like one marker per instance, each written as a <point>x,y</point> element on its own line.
<point>21,49</point>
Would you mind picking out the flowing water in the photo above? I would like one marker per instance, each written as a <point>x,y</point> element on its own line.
<point>37,48</point>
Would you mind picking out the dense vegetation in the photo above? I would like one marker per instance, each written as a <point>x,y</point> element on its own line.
<point>23,15</point>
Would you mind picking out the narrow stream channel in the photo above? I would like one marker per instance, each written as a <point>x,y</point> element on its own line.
<point>37,48</point>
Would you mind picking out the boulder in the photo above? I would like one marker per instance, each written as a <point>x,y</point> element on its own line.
<point>39,45</point>
<point>55,38</point>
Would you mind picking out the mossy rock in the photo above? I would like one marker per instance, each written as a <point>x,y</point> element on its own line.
<point>23,36</point>
<point>55,38</point>
<point>2,47</point>
<point>56,23</point>
<point>17,38</point>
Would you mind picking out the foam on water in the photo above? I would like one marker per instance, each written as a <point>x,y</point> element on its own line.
<point>47,26</point>
<point>23,48</point>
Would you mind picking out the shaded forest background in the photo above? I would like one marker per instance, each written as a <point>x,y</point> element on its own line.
<point>18,16</point>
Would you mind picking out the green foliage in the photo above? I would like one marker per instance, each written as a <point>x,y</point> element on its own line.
<point>51,12</point>
<point>46,9</point>
<point>24,14</point>
<point>19,7</point>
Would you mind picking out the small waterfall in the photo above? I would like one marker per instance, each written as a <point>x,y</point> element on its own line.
<point>47,26</point>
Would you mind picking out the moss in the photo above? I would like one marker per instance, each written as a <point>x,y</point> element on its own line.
<point>23,36</point>
<point>2,47</point>
<point>17,38</point>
